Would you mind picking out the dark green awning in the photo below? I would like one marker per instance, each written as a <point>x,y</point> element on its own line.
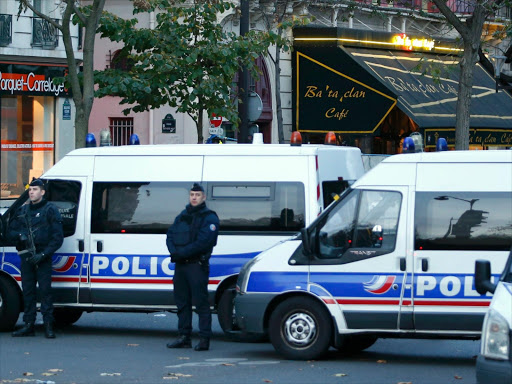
<point>431,103</point>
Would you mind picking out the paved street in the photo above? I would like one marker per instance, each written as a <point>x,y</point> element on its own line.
<point>130,348</point>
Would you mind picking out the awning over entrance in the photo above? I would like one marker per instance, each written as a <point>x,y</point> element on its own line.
<point>432,102</point>
<point>352,90</point>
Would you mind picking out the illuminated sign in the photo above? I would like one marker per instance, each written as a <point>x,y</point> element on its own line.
<point>406,42</point>
<point>36,80</point>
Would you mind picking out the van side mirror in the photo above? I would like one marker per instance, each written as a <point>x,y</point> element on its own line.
<point>306,245</point>
<point>483,282</point>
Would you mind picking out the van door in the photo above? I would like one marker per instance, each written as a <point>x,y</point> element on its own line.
<point>134,201</point>
<point>361,261</point>
<point>69,262</point>
<point>452,230</point>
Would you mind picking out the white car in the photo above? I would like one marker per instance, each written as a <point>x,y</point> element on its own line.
<point>494,364</point>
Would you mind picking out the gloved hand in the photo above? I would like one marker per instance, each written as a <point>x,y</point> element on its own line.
<point>21,244</point>
<point>36,259</point>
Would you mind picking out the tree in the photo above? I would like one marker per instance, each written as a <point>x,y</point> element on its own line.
<point>282,20</point>
<point>81,83</point>
<point>470,31</point>
<point>187,61</point>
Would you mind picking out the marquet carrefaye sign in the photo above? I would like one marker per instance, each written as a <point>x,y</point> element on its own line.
<point>16,79</point>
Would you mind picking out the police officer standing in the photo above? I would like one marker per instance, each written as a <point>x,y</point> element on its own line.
<point>190,240</point>
<point>37,231</point>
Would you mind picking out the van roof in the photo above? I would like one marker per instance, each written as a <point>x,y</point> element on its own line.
<point>490,156</point>
<point>210,149</point>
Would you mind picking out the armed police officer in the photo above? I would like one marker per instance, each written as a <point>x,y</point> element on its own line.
<point>36,228</point>
<point>190,240</point>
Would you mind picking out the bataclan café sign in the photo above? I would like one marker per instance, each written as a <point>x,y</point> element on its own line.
<point>329,100</point>
<point>19,79</point>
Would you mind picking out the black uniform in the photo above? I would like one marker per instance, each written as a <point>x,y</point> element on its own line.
<point>190,240</point>
<point>46,223</point>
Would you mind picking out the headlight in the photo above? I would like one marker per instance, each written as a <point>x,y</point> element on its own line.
<point>243,276</point>
<point>495,337</point>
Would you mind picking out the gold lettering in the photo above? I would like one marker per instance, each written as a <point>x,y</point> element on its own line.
<point>311,92</point>
<point>331,113</point>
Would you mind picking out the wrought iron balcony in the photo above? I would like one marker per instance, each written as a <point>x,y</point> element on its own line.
<point>5,30</point>
<point>44,34</point>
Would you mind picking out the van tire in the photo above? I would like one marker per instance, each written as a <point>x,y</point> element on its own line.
<point>300,329</point>
<point>66,316</point>
<point>356,343</point>
<point>226,317</point>
<point>10,305</point>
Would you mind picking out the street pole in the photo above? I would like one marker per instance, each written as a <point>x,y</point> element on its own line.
<point>243,80</point>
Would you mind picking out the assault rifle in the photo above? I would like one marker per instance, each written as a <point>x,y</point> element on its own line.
<point>30,247</point>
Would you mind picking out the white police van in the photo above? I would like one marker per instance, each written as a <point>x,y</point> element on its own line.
<point>117,203</point>
<point>494,364</point>
<point>393,257</point>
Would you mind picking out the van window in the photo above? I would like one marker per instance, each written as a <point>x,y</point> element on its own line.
<point>363,220</point>
<point>331,188</point>
<point>463,221</point>
<point>151,207</point>
<point>260,207</point>
<point>65,195</point>
<point>137,207</point>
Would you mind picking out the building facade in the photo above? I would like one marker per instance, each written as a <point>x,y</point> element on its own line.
<point>418,19</point>
<point>37,114</point>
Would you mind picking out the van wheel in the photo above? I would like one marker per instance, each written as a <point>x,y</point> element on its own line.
<point>300,329</point>
<point>66,316</point>
<point>356,343</point>
<point>10,305</point>
<point>226,316</point>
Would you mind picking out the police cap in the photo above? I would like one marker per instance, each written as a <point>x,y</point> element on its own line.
<point>36,183</point>
<point>197,188</point>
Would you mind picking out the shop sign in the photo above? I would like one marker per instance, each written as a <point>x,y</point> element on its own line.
<point>66,110</point>
<point>405,42</point>
<point>483,137</point>
<point>329,100</point>
<point>11,145</point>
<point>17,79</point>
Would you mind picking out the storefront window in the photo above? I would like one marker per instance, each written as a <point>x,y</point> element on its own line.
<point>27,138</point>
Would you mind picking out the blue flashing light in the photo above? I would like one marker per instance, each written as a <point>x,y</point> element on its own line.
<point>90,140</point>
<point>408,146</point>
<point>134,140</point>
<point>441,144</point>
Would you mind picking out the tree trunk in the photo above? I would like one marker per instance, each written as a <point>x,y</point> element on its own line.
<point>199,125</point>
<point>279,108</point>
<point>463,108</point>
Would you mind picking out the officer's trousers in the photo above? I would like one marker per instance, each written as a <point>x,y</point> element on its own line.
<point>30,275</point>
<point>191,288</point>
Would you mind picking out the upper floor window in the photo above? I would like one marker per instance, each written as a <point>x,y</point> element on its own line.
<point>119,60</point>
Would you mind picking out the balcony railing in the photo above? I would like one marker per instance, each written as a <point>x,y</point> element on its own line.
<point>5,30</point>
<point>44,34</point>
<point>461,7</point>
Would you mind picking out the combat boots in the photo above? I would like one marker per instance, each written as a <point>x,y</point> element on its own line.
<point>181,342</point>
<point>48,330</point>
<point>27,330</point>
<point>203,345</point>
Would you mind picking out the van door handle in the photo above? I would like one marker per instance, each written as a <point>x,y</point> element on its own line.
<point>424,265</point>
<point>81,246</point>
<point>402,264</point>
<point>99,246</point>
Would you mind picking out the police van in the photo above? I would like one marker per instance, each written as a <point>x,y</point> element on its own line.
<point>118,202</point>
<point>393,257</point>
